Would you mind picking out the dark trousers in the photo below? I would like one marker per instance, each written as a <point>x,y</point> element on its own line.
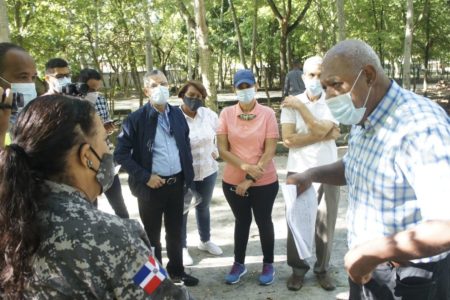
<point>115,199</point>
<point>168,201</point>
<point>423,281</point>
<point>260,200</point>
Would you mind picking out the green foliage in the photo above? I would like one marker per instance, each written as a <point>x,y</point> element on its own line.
<point>109,34</point>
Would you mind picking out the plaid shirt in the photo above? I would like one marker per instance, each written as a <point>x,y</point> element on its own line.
<point>398,168</point>
<point>101,106</point>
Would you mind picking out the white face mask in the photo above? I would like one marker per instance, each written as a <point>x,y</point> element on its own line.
<point>59,83</point>
<point>344,110</point>
<point>91,97</point>
<point>160,95</point>
<point>314,87</point>
<point>28,90</point>
<point>246,96</point>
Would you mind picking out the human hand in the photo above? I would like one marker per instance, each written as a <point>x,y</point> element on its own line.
<point>302,180</point>
<point>241,188</point>
<point>256,171</point>
<point>110,127</point>
<point>6,98</point>
<point>155,182</point>
<point>333,134</point>
<point>214,155</point>
<point>291,102</point>
<point>359,267</point>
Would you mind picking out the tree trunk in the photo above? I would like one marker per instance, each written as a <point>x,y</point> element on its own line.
<point>220,63</point>
<point>238,34</point>
<point>428,43</point>
<point>341,19</point>
<point>206,66</point>
<point>286,29</point>
<point>408,45</point>
<point>4,24</point>
<point>148,38</point>
<point>254,37</point>
<point>189,52</point>
<point>283,54</point>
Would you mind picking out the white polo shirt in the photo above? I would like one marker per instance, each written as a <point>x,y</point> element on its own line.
<point>302,158</point>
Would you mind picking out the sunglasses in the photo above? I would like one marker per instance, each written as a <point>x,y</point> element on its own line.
<point>246,117</point>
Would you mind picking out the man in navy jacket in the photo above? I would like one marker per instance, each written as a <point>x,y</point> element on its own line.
<point>154,149</point>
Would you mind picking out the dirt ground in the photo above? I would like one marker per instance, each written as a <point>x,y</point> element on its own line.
<point>211,270</point>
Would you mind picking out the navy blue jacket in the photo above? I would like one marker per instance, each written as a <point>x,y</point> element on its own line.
<point>135,144</point>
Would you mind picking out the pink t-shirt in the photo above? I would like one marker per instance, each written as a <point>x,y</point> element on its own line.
<point>246,140</point>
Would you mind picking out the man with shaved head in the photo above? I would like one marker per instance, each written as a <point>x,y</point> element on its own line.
<point>309,131</point>
<point>397,169</point>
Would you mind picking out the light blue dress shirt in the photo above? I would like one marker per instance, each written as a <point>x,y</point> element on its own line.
<point>166,158</point>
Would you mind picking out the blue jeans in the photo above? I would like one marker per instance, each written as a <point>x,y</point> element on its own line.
<point>205,189</point>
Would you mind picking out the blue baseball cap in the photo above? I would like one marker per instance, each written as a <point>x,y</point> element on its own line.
<point>244,76</point>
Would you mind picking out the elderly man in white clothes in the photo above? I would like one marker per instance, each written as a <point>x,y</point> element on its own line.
<point>309,131</point>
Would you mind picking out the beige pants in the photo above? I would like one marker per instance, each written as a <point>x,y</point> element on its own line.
<point>325,224</point>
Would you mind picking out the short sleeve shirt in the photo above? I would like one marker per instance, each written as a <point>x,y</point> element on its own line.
<point>314,155</point>
<point>246,139</point>
<point>398,168</point>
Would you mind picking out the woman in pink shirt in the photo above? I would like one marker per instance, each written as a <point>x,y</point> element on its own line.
<point>247,136</point>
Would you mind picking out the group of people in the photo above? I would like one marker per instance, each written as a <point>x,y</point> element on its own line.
<point>56,244</point>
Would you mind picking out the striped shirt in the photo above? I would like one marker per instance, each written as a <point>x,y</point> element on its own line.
<point>398,168</point>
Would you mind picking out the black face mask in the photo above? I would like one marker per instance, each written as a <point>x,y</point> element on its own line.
<point>192,103</point>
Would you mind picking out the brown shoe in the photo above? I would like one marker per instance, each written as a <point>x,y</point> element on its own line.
<point>326,282</point>
<point>295,282</point>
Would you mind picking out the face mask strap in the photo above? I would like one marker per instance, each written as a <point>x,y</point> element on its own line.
<point>367,98</point>
<point>95,153</point>
<point>356,80</point>
<point>5,80</point>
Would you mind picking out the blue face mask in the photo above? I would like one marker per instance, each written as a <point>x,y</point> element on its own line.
<point>344,110</point>
<point>246,96</point>
<point>314,87</point>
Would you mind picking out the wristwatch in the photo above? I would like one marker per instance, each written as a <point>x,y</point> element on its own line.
<point>249,177</point>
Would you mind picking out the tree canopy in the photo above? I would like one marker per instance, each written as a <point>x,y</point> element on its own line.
<point>110,35</point>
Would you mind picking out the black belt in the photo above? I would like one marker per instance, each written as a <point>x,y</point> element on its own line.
<point>172,179</point>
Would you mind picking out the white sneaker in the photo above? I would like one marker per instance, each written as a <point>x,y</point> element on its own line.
<point>187,259</point>
<point>210,247</point>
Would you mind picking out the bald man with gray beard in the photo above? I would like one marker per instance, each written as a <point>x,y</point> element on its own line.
<point>397,169</point>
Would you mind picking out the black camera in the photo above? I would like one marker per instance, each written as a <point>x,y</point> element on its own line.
<point>17,103</point>
<point>75,89</point>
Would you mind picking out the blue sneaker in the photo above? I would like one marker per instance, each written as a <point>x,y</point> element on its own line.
<point>237,271</point>
<point>268,274</point>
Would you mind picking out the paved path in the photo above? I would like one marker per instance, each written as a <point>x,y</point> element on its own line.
<point>212,270</point>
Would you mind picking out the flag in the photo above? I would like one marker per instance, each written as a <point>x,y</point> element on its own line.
<point>150,276</point>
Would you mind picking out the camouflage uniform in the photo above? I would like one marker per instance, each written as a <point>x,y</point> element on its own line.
<point>88,254</point>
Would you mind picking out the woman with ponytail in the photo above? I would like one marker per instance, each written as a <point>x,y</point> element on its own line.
<point>54,244</point>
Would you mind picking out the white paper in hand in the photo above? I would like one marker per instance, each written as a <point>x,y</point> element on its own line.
<point>301,215</point>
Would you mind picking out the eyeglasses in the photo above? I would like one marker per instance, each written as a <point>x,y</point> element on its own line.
<point>246,117</point>
<point>233,189</point>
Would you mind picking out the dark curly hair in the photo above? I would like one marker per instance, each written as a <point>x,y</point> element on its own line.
<point>45,132</point>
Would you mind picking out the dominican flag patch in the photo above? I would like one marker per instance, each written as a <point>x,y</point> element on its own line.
<point>150,276</point>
